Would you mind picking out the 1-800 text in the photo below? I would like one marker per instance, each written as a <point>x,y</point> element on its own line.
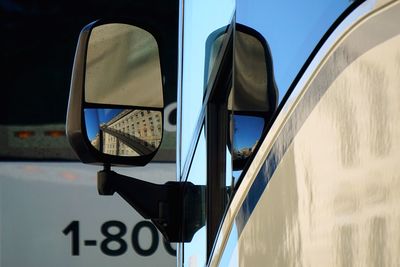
<point>113,242</point>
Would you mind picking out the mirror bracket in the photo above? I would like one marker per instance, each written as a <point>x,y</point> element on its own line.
<point>161,203</point>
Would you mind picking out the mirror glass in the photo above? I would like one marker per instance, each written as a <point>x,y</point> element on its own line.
<point>123,67</point>
<point>124,132</point>
<point>251,74</point>
<point>246,133</point>
<point>213,47</point>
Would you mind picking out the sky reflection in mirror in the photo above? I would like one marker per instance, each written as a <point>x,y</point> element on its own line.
<point>94,117</point>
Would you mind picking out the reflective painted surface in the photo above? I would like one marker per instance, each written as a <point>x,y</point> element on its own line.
<point>334,195</point>
<point>331,199</point>
<point>38,200</point>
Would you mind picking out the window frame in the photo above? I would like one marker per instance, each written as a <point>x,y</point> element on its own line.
<point>215,100</point>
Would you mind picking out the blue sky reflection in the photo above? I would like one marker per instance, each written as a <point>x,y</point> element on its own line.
<point>94,117</point>
<point>201,18</point>
<point>292,30</point>
<point>247,131</point>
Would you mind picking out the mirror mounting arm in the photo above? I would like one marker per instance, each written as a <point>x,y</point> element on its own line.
<point>161,203</point>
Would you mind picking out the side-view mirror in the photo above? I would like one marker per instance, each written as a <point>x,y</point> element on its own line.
<point>254,98</point>
<point>115,112</point>
<point>115,115</point>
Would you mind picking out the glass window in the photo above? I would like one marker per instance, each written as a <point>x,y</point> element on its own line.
<point>197,30</point>
<point>297,28</point>
<point>195,252</point>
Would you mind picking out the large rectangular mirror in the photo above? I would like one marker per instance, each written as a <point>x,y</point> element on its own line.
<point>123,67</point>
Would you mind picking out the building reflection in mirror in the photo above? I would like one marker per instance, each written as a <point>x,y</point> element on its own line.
<point>124,132</point>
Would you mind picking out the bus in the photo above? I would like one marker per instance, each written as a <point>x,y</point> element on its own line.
<point>287,117</point>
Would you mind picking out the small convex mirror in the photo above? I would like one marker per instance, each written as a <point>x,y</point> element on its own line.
<point>123,96</point>
<point>124,132</point>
